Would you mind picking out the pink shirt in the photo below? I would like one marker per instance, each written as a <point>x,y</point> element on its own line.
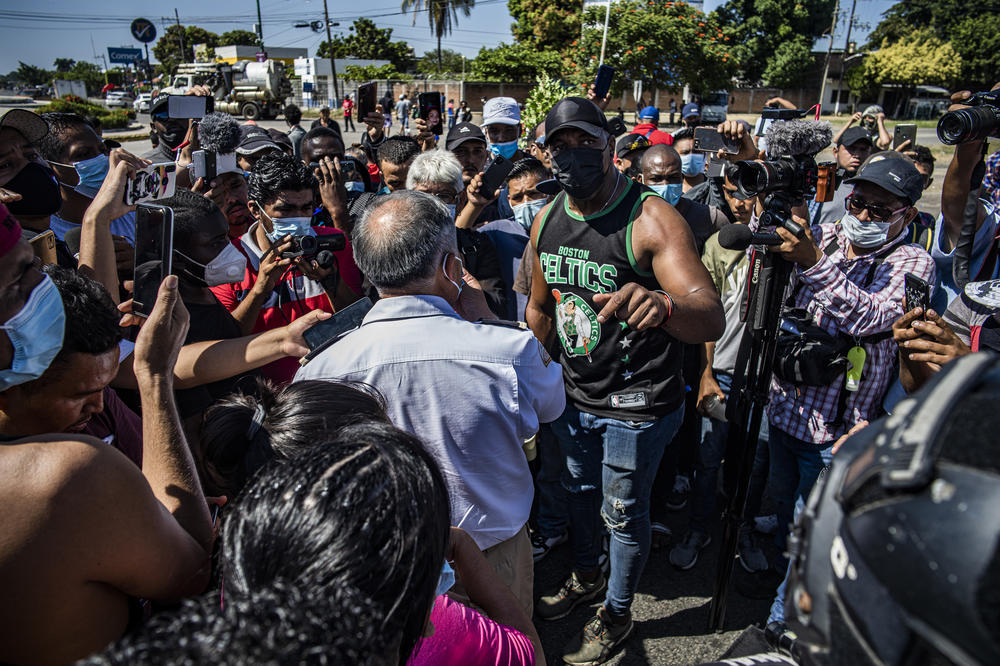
<point>464,637</point>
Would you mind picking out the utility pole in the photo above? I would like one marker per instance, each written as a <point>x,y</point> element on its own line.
<point>829,53</point>
<point>180,33</point>
<point>604,39</point>
<point>333,64</point>
<point>260,27</point>
<point>843,58</point>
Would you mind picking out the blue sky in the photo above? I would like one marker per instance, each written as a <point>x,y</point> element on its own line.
<point>39,40</point>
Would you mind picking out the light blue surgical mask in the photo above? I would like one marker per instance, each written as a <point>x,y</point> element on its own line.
<point>525,212</point>
<point>446,580</point>
<point>452,208</point>
<point>36,333</point>
<point>671,192</point>
<point>505,149</point>
<point>91,174</point>
<point>692,164</point>
<point>354,186</point>
<point>384,190</point>
<point>864,234</point>
<point>288,226</point>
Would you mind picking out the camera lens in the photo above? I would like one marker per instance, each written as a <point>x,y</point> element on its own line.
<point>751,178</point>
<point>971,124</point>
<point>308,244</point>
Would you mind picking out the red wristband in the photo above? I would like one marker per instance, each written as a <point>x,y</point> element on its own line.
<point>670,306</point>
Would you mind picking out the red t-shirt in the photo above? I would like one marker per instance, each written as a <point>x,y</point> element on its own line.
<point>295,295</point>
<point>348,106</point>
<point>654,135</point>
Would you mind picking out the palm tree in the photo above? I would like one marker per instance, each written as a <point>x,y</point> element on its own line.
<point>441,14</point>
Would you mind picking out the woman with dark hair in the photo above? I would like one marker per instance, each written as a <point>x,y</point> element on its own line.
<point>242,432</point>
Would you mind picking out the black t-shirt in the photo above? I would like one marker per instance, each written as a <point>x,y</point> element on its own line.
<point>609,369</point>
<point>211,322</point>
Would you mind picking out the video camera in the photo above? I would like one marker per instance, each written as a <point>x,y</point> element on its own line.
<point>982,121</point>
<point>320,248</point>
<point>785,181</point>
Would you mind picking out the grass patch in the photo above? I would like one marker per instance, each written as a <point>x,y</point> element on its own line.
<point>110,118</point>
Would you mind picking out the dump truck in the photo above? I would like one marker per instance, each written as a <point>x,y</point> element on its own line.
<point>246,88</point>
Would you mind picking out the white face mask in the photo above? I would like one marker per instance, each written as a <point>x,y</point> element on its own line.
<point>865,235</point>
<point>444,269</point>
<point>227,267</point>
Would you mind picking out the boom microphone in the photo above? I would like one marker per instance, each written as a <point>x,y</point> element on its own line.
<point>219,133</point>
<point>797,137</point>
<point>739,237</point>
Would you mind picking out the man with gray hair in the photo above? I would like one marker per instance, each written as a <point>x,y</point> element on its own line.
<point>472,390</point>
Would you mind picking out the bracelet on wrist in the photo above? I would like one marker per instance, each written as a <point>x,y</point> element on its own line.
<point>670,306</point>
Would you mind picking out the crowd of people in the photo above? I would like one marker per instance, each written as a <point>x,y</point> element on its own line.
<point>541,362</point>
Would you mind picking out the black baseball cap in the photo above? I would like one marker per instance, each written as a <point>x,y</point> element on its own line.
<point>854,134</point>
<point>893,173</point>
<point>631,142</point>
<point>463,132</point>
<point>254,139</point>
<point>31,126</point>
<point>575,112</point>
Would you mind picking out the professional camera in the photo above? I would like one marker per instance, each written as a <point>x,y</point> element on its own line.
<point>320,248</point>
<point>982,121</point>
<point>785,181</point>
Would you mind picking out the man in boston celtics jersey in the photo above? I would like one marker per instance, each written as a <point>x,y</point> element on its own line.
<point>617,286</point>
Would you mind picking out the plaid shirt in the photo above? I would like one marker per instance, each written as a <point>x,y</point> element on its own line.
<point>833,292</point>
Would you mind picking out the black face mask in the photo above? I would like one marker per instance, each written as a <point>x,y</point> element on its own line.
<point>579,171</point>
<point>39,191</point>
<point>174,136</point>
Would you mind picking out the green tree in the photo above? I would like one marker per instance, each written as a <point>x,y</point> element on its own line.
<point>30,74</point>
<point>238,38</point>
<point>543,96</point>
<point>547,24</point>
<point>666,45</point>
<point>168,47</point>
<point>916,58</point>
<point>514,62</point>
<point>758,30</point>
<point>451,63</point>
<point>63,64</point>
<point>373,73</point>
<point>977,41</point>
<point>368,41</point>
<point>442,15</point>
<point>88,72</point>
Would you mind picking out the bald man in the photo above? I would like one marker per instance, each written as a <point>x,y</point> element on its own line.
<point>660,168</point>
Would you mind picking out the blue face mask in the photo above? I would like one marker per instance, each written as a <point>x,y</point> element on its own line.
<point>91,174</point>
<point>671,192</point>
<point>36,333</point>
<point>692,164</point>
<point>525,213</point>
<point>452,209</point>
<point>446,580</point>
<point>354,186</point>
<point>288,226</point>
<point>384,190</point>
<point>505,150</point>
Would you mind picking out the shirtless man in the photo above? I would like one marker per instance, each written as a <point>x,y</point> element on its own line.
<point>85,532</point>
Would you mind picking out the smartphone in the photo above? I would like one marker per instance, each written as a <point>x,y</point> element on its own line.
<point>348,168</point>
<point>208,164</point>
<point>708,139</point>
<point>154,182</point>
<point>154,248</point>
<point>495,175</point>
<point>366,97</point>
<point>189,106</point>
<point>430,111</point>
<point>917,292</point>
<point>602,84</point>
<point>44,246</point>
<point>328,331</point>
<point>902,132</point>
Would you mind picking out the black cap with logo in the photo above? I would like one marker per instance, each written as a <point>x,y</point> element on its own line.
<point>463,132</point>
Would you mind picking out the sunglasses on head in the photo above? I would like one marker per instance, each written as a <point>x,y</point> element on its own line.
<point>877,212</point>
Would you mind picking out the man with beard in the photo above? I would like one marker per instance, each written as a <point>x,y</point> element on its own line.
<point>610,251</point>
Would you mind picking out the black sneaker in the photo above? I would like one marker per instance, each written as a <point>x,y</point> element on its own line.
<point>573,593</point>
<point>599,640</point>
<point>540,545</point>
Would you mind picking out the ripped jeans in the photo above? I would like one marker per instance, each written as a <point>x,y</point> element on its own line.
<point>620,457</point>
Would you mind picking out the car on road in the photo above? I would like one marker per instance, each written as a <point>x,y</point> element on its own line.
<point>118,98</point>
<point>141,103</point>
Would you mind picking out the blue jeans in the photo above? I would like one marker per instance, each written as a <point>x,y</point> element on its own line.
<point>552,516</point>
<point>795,464</point>
<point>620,457</point>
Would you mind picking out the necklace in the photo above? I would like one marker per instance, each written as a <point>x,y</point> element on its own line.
<point>618,181</point>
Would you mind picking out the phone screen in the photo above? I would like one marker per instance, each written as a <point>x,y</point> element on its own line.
<point>189,106</point>
<point>324,333</point>
<point>602,84</point>
<point>917,292</point>
<point>157,181</point>
<point>708,139</point>
<point>366,99</point>
<point>430,111</point>
<point>154,245</point>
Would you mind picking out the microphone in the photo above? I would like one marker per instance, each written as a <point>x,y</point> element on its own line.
<point>797,137</point>
<point>739,237</point>
<point>219,132</point>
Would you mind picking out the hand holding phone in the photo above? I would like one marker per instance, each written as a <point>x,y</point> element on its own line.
<point>366,97</point>
<point>154,249</point>
<point>430,111</point>
<point>709,140</point>
<point>324,333</point>
<point>495,175</point>
<point>917,293</point>
<point>156,181</point>
<point>189,106</point>
<point>902,133</point>
<point>602,83</point>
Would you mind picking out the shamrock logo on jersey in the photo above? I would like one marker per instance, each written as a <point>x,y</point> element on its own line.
<point>576,323</point>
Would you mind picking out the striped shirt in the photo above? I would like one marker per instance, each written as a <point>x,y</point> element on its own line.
<point>835,293</point>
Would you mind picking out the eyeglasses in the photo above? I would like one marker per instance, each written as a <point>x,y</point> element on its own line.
<point>445,197</point>
<point>876,212</point>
